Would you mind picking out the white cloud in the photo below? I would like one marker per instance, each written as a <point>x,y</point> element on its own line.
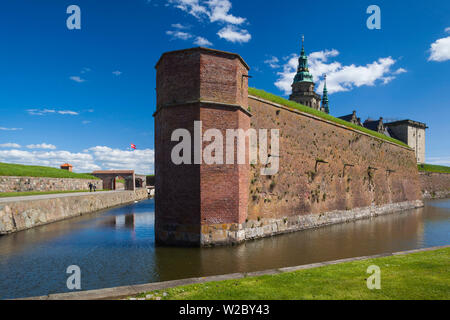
<point>272,62</point>
<point>95,158</point>
<point>192,7</point>
<point>443,161</point>
<point>200,41</point>
<point>233,34</point>
<point>117,73</point>
<point>348,77</point>
<point>10,145</point>
<point>219,11</point>
<point>339,77</point>
<point>440,49</point>
<point>179,26</point>
<point>77,79</point>
<point>41,146</point>
<point>85,70</point>
<point>115,159</point>
<point>203,42</point>
<point>42,112</point>
<point>83,162</point>
<point>179,35</point>
<point>214,10</point>
<point>68,112</point>
<point>400,71</point>
<point>10,129</point>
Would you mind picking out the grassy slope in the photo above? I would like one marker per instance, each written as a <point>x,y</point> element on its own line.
<point>37,193</point>
<point>433,168</point>
<point>20,170</point>
<point>294,105</point>
<point>423,275</point>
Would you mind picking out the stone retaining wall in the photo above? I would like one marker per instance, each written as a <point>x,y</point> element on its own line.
<point>32,212</point>
<point>24,184</point>
<point>266,227</point>
<point>435,185</point>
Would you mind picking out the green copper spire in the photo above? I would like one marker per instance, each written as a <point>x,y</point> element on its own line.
<point>303,71</point>
<point>325,105</point>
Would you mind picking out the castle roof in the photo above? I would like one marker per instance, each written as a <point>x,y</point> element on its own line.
<point>207,50</point>
<point>347,117</point>
<point>373,124</point>
<point>66,165</point>
<point>352,118</point>
<point>408,122</point>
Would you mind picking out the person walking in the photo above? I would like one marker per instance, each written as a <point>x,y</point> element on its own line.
<point>90,187</point>
<point>95,187</point>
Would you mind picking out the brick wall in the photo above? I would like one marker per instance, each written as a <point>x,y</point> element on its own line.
<point>303,185</point>
<point>435,185</point>
<point>24,184</point>
<point>198,85</point>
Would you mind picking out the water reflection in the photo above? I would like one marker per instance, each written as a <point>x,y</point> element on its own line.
<point>116,247</point>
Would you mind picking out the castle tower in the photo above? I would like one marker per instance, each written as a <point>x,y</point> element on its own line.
<point>198,204</point>
<point>303,86</point>
<point>325,107</point>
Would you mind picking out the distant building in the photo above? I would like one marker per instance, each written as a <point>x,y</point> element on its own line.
<point>66,166</point>
<point>375,125</point>
<point>352,118</point>
<point>408,131</point>
<point>412,133</point>
<point>303,86</point>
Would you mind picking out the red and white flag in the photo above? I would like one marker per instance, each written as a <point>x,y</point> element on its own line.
<point>133,146</point>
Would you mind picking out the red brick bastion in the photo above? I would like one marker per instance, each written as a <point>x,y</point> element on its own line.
<point>328,173</point>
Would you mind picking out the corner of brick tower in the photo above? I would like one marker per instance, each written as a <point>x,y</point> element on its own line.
<point>200,204</point>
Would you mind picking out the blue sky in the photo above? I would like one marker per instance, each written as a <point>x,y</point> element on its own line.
<point>83,96</point>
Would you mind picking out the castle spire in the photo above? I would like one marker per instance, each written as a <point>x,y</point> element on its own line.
<point>325,106</point>
<point>303,46</point>
<point>303,74</point>
<point>303,85</point>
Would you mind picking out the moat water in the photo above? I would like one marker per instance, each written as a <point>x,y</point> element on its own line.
<point>117,247</point>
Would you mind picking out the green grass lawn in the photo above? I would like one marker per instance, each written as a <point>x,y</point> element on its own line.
<point>37,193</point>
<point>423,275</point>
<point>433,168</point>
<point>20,170</point>
<point>294,105</point>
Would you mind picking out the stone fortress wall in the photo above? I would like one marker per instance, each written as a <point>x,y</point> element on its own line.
<point>18,215</point>
<point>24,184</point>
<point>435,185</point>
<point>328,173</point>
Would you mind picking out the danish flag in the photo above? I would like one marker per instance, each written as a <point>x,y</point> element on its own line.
<point>133,146</point>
